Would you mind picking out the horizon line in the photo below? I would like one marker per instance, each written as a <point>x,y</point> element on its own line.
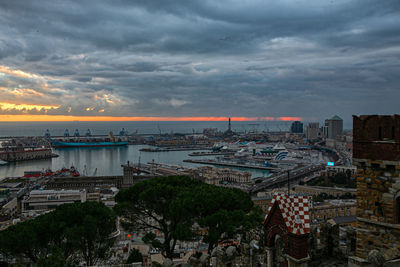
<point>70,118</point>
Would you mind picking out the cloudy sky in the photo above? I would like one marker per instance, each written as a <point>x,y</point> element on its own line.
<point>158,58</point>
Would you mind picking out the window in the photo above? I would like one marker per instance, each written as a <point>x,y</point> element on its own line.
<point>398,209</point>
<point>392,132</point>
<point>390,167</point>
<point>375,166</point>
<point>380,133</point>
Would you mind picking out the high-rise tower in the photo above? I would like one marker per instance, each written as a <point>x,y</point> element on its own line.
<point>335,127</point>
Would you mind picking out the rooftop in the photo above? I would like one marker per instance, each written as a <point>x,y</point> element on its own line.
<point>344,219</point>
<point>336,118</point>
<point>48,192</point>
<point>294,210</point>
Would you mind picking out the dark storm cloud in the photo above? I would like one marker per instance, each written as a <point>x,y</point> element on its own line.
<point>204,58</point>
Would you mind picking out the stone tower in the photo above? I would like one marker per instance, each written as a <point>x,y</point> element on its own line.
<point>127,178</point>
<point>376,153</point>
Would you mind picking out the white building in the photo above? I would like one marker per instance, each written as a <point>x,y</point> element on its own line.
<point>220,176</point>
<point>43,200</point>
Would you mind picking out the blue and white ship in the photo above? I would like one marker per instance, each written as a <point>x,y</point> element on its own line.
<point>86,141</point>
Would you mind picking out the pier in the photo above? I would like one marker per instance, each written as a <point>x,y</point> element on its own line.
<point>173,149</point>
<point>197,154</point>
<point>231,164</point>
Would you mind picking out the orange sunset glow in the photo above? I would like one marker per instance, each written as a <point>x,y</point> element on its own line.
<point>10,106</point>
<point>16,118</point>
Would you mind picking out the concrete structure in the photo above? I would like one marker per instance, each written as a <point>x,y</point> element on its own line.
<point>335,127</point>
<point>44,200</point>
<point>84,182</point>
<point>9,208</point>
<point>332,209</point>
<point>296,127</point>
<point>19,154</point>
<point>333,170</point>
<point>287,223</point>
<point>376,153</point>
<point>128,172</point>
<point>220,176</point>
<point>316,190</point>
<point>130,176</point>
<point>344,220</point>
<point>313,131</point>
<point>324,129</point>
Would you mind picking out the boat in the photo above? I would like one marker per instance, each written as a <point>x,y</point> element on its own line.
<point>32,174</point>
<point>59,144</point>
<point>64,172</point>
<point>86,142</point>
<point>3,162</point>
<point>47,173</point>
<point>74,172</point>
<point>37,174</point>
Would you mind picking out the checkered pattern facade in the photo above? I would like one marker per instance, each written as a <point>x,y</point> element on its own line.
<point>295,212</point>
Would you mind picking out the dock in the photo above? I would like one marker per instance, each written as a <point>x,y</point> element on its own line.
<point>198,154</point>
<point>229,164</point>
<point>173,149</point>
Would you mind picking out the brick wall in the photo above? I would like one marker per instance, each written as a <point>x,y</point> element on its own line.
<point>374,236</point>
<point>376,137</point>
<point>376,153</point>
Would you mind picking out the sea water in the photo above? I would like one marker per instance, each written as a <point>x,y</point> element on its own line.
<point>107,161</point>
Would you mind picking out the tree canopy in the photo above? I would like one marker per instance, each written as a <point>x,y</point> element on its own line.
<point>173,205</point>
<point>72,232</point>
<point>134,256</point>
<point>159,204</point>
<point>224,212</point>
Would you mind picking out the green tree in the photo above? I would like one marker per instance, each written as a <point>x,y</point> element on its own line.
<point>134,256</point>
<point>159,204</point>
<point>173,204</point>
<point>88,229</point>
<point>224,212</point>
<point>70,233</point>
<point>29,239</point>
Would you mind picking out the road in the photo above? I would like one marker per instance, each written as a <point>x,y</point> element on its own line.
<point>282,177</point>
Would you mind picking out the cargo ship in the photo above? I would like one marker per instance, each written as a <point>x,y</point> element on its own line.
<point>60,144</point>
<point>86,141</point>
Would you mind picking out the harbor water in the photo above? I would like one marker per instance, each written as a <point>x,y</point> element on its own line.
<point>107,160</point>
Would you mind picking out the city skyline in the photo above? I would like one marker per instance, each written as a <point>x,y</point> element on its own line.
<point>163,61</point>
